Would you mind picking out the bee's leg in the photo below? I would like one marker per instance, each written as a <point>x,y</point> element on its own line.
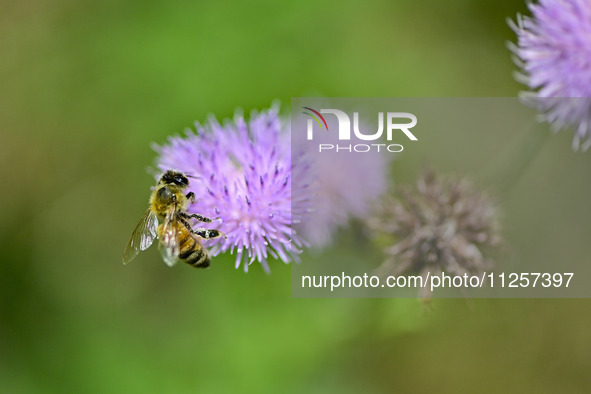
<point>191,197</point>
<point>183,221</point>
<point>206,234</point>
<point>195,216</point>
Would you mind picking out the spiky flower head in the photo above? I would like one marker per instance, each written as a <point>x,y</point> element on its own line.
<point>554,52</point>
<point>345,185</point>
<point>244,172</point>
<point>439,225</point>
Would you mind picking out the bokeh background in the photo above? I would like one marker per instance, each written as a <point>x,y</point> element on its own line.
<point>86,87</point>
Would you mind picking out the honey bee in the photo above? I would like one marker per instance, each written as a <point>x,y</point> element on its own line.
<point>178,240</point>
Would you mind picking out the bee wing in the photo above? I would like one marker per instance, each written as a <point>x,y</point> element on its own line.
<point>142,237</point>
<point>169,238</point>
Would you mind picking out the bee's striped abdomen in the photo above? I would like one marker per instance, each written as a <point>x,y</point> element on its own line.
<point>192,253</point>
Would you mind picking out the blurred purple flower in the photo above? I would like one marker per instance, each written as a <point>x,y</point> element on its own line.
<point>554,52</point>
<point>245,176</point>
<point>345,184</point>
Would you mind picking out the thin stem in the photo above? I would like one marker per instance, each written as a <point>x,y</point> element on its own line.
<point>512,164</point>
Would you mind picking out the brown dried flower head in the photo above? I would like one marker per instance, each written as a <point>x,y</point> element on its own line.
<point>441,224</point>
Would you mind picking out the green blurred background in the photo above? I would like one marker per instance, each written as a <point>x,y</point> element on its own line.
<point>88,86</point>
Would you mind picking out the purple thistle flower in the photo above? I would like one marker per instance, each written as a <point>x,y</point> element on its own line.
<point>245,176</point>
<point>554,51</point>
<point>344,186</point>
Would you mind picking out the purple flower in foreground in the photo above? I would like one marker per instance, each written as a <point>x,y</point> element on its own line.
<point>244,175</point>
<point>554,51</point>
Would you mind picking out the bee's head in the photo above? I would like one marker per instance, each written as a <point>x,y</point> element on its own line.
<point>176,178</point>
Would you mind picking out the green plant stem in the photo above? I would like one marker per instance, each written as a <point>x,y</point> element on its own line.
<point>510,165</point>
